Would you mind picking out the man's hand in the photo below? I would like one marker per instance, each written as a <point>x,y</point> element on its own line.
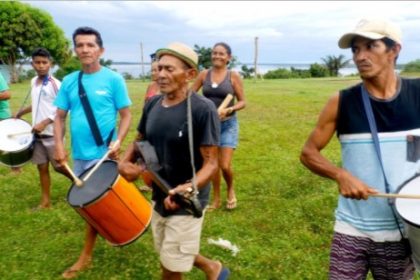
<point>130,171</point>
<point>114,150</point>
<point>351,187</point>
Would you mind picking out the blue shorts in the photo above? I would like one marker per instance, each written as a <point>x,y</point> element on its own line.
<point>229,130</point>
<point>79,165</point>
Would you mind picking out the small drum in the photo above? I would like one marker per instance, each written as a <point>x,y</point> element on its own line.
<point>16,142</point>
<point>110,204</point>
<point>409,210</point>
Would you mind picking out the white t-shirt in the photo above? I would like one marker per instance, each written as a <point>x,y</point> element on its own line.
<point>43,95</point>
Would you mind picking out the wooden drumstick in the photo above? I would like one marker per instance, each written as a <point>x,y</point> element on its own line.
<point>395,195</point>
<point>225,102</point>
<point>18,134</point>
<point>105,156</point>
<point>76,179</point>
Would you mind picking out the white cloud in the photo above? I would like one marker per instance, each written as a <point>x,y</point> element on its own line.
<point>288,28</point>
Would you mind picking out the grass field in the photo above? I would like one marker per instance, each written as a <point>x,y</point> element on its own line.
<point>282,226</point>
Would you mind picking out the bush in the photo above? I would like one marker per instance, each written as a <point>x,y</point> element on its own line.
<point>282,73</point>
<point>73,64</point>
<point>318,70</point>
<point>413,66</point>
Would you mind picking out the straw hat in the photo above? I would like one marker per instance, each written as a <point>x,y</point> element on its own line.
<point>374,29</point>
<point>181,51</point>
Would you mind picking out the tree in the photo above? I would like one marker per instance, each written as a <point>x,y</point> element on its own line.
<point>204,57</point>
<point>24,28</point>
<point>247,72</point>
<point>335,63</point>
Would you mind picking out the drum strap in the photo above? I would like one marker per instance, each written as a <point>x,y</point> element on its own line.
<point>190,139</point>
<point>374,131</point>
<point>90,116</point>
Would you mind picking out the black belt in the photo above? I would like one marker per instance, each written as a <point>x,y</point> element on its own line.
<point>43,136</point>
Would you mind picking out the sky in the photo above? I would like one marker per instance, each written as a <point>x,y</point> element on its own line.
<point>287,31</point>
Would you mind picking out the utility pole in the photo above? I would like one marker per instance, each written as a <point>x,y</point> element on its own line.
<point>142,61</point>
<point>256,59</point>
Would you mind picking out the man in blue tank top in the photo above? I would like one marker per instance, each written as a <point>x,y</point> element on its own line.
<point>368,235</point>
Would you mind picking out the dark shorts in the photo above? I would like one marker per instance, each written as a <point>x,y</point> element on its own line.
<point>352,257</point>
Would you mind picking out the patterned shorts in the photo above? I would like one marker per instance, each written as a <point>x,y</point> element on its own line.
<point>352,257</point>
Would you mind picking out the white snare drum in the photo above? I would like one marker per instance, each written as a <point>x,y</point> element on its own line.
<point>409,210</point>
<point>16,142</point>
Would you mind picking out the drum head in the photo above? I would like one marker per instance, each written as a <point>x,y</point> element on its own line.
<point>97,185</point>
<point>12,135</point>
<point>409,208</point>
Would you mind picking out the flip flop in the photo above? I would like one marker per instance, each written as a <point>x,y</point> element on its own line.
<point>224,273</point>
<point>231,204</point>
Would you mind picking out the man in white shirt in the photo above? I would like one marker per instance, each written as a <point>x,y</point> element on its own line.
<point>44,88</point>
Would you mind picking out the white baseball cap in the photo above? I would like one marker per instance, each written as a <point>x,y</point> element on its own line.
<point>374,29</point>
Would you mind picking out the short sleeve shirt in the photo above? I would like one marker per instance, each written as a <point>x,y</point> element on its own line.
<point>167,130</point>
<point>107,93</point>
<point>4,104</point>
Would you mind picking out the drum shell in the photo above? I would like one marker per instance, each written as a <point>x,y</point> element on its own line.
<point>15,157</point>
<point>120,215</point>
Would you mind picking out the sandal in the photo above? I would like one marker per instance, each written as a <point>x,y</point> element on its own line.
<point>231,204</point>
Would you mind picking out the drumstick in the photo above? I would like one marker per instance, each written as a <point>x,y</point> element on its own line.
<point>396,195</point>
<point>18,133</point>
<point>76,179</point>
<point>225,102</point>
<point>105,156</point>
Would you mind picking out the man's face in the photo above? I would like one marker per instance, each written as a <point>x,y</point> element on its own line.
<point>173,74</point>
<point>41,65</point>
<point>372,57</point>
<point>87,49</point>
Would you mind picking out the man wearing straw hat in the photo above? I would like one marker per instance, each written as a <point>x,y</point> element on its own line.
<point>108,97</point>
<point>167,127</point>
<point>372,120</point>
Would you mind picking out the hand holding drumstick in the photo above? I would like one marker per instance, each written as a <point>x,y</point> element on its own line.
<point>222,110</point>
<point>113,148</point>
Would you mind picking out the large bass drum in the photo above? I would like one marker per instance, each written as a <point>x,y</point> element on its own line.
<point>110,204</point>
<point>16,142</point>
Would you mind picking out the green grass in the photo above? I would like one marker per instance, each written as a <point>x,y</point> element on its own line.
<point>283,223</point>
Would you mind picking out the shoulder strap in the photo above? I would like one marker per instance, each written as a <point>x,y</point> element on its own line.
<point>374,131</point>
<point>191,141</point>
<point>89,113</point>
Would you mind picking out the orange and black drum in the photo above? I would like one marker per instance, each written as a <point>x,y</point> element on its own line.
<point>110,204</point>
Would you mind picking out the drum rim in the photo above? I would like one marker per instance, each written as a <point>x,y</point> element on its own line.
<point>100,195</point>
<point>400,187</point>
